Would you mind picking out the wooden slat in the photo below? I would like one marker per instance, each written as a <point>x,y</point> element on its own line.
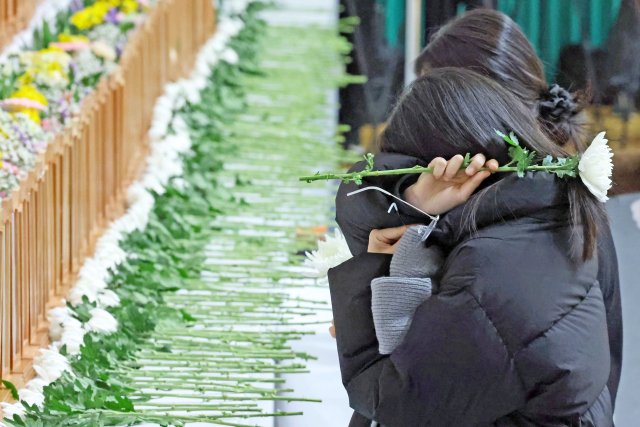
<point>14,17</point>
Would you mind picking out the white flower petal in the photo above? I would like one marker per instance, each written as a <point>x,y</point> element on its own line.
<point>8,410</point>
<point>108,298</point>
<point>102,321</point>
<point>51,364</point>
<point>595,167</point>
<point>31,397</point>
<point>331,253</point>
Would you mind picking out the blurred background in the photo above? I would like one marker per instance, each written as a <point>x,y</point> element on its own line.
<point>592,44</point>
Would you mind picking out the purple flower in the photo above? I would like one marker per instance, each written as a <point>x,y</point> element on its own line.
<point>21,135</point>
<point>112,16</point>
<point>119,48</point>
<point>76,5</point>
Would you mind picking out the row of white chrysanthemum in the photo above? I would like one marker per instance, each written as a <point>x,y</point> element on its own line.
<point>163,164</point>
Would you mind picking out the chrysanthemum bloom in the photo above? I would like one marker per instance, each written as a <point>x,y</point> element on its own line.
<point>595,167</point>
<point>92,15</point>
<point>331,253</point>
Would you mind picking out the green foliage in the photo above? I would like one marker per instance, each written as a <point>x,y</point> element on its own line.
<point>357,177</point>
<point>62,22</point>
<point>563,167</point>
<point>348,24</point>
<point>10,386</point>
<point>43,36</point>
<point>520,155</point>
<point>7,84</point>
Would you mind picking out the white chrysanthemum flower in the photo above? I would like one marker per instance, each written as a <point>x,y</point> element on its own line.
<point>102,321</point>
<point>230,56</point>
<point>92,269</point>
<point>331,253</point>
<point>36,385</point>
<point>110,256</point>
<point>51,364</point>
<point>31,397</point>
<point>73,337</point>
<point>108,298</point>
<point>8,410</point>
<point>57,317</point>
<point>595,167</point>
<point>85,286</point>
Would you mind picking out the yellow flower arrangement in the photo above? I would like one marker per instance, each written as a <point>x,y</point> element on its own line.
<point>92,15</point>
<point>57,55</point>
<point>50,61</point>
<point>68,38</point>
<point>28,77</point>
<point>51,50</point>
<point>31,93</point>
<point>129,6</point>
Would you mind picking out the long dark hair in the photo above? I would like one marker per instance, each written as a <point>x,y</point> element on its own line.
<point>489,42</point>
<point>451,111</point>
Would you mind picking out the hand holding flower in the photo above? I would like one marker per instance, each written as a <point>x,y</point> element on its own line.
<point>448,186</point>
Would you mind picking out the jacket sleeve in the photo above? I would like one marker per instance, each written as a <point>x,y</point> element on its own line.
<point>350,285</point>
<point>609,280</point>
<point>452,369</point>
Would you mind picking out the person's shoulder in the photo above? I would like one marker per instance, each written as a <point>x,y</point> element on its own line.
<point>525,282</point>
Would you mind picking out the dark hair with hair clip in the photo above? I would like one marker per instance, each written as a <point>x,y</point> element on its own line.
<point>490,43</point>
<point>451,111</point>
<point>559,112</point>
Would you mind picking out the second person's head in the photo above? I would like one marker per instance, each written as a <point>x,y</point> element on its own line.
<point>490,43</point>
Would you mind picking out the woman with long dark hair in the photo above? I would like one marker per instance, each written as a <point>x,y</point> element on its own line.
<point>491,44</point>
<point>516,334</point>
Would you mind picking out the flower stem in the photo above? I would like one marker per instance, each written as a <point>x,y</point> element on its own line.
<point>418,169</point>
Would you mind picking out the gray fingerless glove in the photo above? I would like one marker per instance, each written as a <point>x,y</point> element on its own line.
<point>413,259</point>
<point>396,298</point>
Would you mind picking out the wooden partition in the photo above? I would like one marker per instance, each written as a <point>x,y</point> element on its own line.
<point>14,17</point>
<point>51,223</point>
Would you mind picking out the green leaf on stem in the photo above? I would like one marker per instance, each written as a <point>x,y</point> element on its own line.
<point>369,160</point>
<point>12,388</point>
<point>511,139</point>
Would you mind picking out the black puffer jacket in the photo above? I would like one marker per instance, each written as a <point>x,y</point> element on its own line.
<point>516,336</point>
